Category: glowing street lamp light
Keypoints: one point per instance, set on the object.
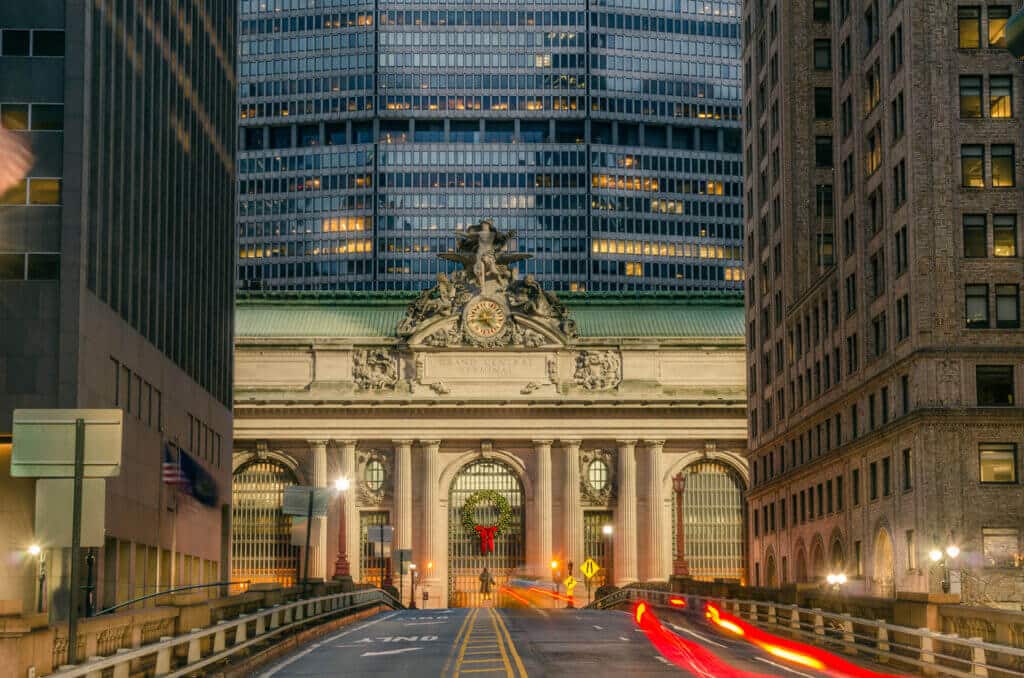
(608, 530)
(36, 551)
(942, 558)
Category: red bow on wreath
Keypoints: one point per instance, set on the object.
(486, 537)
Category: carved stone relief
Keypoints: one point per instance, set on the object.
(375, 369)
(598, 370)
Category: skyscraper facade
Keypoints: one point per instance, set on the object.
(116, 273)
(606, 133)
(885, 350)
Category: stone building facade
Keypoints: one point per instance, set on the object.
(885, 353)
(579, 414)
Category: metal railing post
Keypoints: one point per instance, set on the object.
(927, 654)
(794, 618)
(979, 665)
(883, 642)
(771, 614)
(849, 642)
(819, 622)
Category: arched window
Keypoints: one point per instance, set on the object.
(373, 475)
(261, 548)
(712, 503)
(597, 475)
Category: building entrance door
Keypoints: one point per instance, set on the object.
(466, 561)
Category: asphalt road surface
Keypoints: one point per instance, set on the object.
(516, 643)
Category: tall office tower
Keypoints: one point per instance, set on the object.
(116, 268)
(885, 350)
(606, 133)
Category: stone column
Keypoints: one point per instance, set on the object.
(625, 515)
(542, 508)
(403, 504)
(318, 546)
(655, 568)
(572, 513)
(429, 521)
(351, 514)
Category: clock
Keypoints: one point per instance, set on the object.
(485, 318)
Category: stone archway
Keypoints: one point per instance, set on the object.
(712, 502)
(465, 558)
(801, 564)
(771, 575)
(817, 559)
(261, 547)
(883, 579)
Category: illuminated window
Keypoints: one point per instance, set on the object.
(998, 462)
(373, 475)
(14, 116)
(44, 192)
(1001, 547)
(997, 19)
(1000, 96)
(972, 166)
(597, 475)
(969, 27)
(1004, 235)
(16, 194)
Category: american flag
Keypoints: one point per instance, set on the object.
(171, 469)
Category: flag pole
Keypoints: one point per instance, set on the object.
(159, 523)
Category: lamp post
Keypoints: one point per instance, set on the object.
(36, 551)
(412, 592)
(341, 564)
(555, 574)
(942, 559)
(680, 566)
(607, 531)
(836, 582)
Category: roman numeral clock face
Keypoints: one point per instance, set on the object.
(485, 318)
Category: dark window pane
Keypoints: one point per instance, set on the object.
(1003, 166)
(823, 151)
(995, 385)
(48, 43)
(44, 267)
(822, 10)
(975, 241)
(14, 116)
(15, 43)
(823, 55)
(823, 103)
(1007, 306)
(970, 96)
(976, 303)
(48, 117)
(12, 266)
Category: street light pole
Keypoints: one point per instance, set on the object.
(608, 531)
(412, 589)
(941, 558)
(342, 569)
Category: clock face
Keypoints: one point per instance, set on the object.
(485, 318)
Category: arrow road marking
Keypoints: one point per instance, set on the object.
(624, 638)
(383, 652)
(273, 671)
(599, 628)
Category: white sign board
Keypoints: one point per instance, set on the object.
(44, 443)
(296, 500)
(54, 498)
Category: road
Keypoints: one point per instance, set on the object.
(516, 643)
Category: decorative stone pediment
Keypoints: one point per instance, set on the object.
(375, 369)
(485, 304)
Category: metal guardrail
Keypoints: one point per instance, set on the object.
(186, 654)
(928, 652)
(168, 592)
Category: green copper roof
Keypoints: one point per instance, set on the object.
(295, 315)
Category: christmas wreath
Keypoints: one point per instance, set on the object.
(486, 532)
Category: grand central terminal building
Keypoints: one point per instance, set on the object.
(594, 426)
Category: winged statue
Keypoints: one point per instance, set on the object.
(479, 250)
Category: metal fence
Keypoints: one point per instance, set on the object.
(911, 649)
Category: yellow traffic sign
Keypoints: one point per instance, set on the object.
(589, 568)
(570, 583)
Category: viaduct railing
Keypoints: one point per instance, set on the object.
(921, 650)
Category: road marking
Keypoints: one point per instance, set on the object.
(423, 623)
(624, 638)
(455, 643)
(512, 646)
(311, 648)
(784, 668)
(698, 635)
(384, 652)
(599, 628)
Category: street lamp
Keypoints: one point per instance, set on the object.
(341, 565)
(412, 593)
(608, 530)
(36, 551)
(836, 581)
(942, 559)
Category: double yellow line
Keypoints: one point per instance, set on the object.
(485, 648)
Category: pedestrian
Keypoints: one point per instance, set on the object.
(486, 581)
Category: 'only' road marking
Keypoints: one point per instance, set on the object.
(384, 652)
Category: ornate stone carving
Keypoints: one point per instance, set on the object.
(529, 388)
(375, 369)
(485, 305)
(440, 388)
(591, 495)
(552, 367)
(598, 370)
(369, 493)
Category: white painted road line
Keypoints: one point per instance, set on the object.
(423, 623)
(599, 628)
(273, 671)
(698, 635)
(384, 652)
(784, 668)
(624, 639)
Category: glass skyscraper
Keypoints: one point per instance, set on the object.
(606, 132)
